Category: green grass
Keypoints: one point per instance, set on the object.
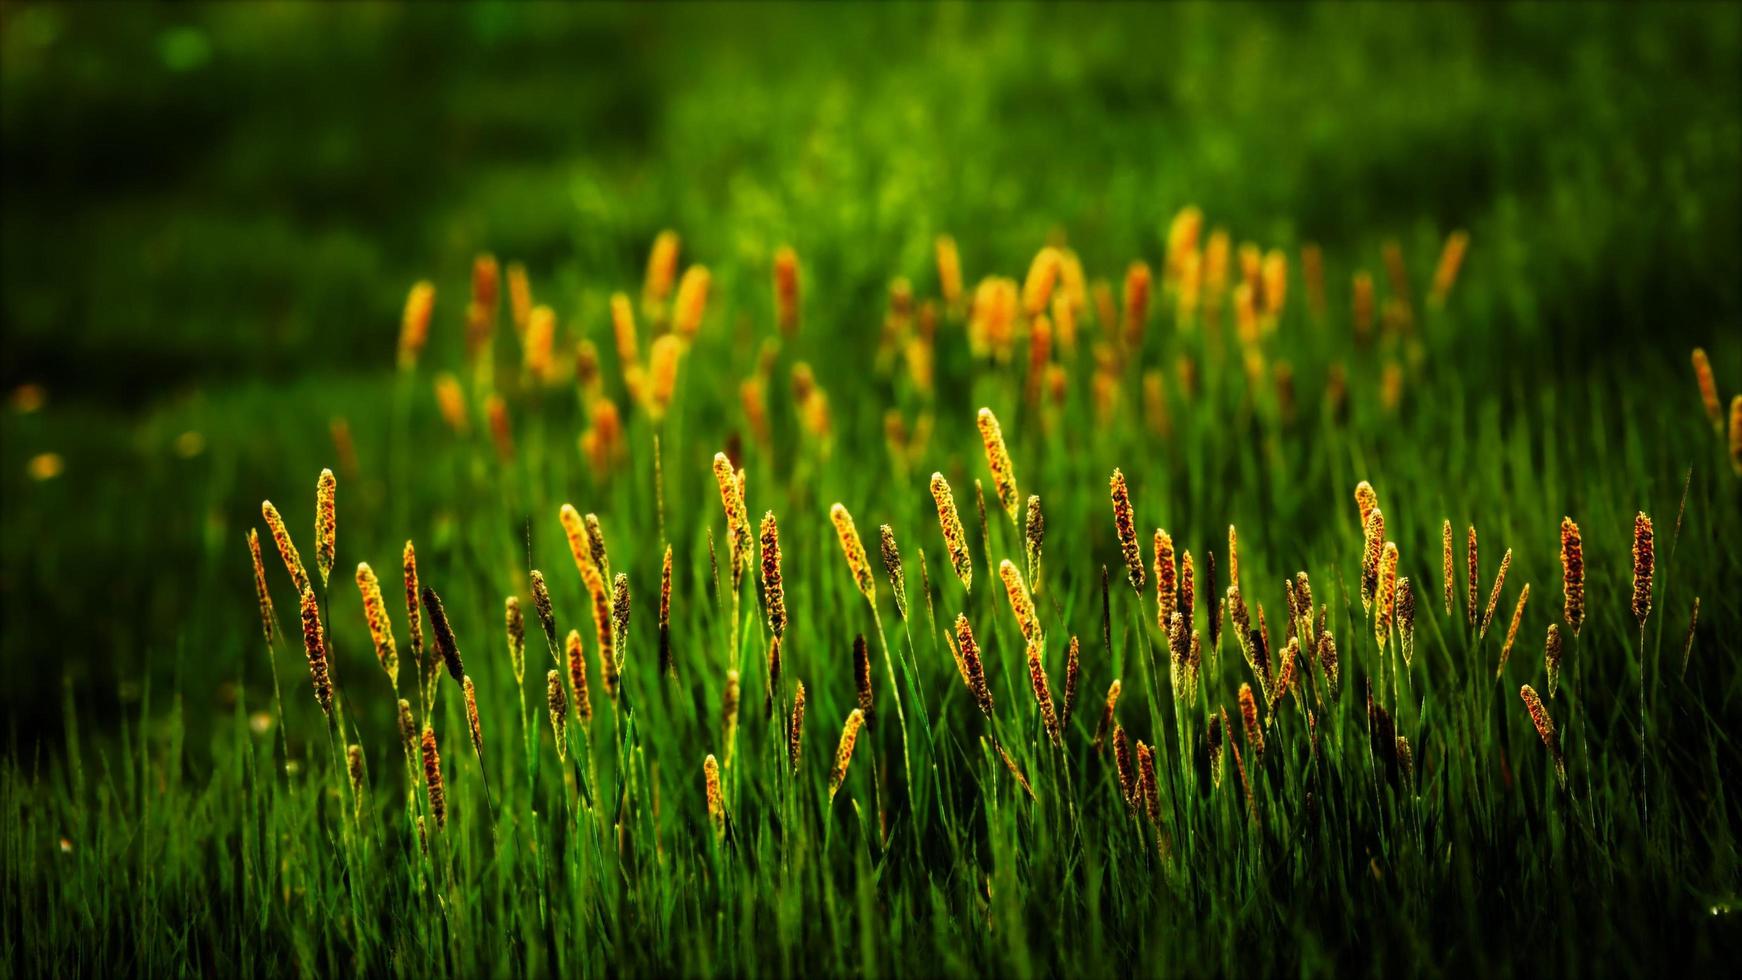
(155, 824)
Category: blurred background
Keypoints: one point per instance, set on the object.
(212, 213)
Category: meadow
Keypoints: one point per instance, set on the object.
(910, 491)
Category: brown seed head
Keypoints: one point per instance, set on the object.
(892, 565)
(1073, 675)
(577, 661)
(557, 702)
(1736, 434)
(267, 617)
(472, 721)
(314, 642)
(1107, 713)
(862, 677)
(1146, 785)
(1043, 692)
(1136, 312)
(619, 618)
(1372, 550)
(541, 605)
(1494, 593)
(1125, 524)
(442, 633)
(1544, 729)
(413, 614)
(1708, 389)
(1406, 620)
(1187, 588)
(1249, 716)
(1021, 604)
(286, 549)
(973, 670)
(516, 630)
(1551, 657)
(773, 592)
(1572, 579)
(1644, 558)
(606, 640)
(1127, 770)
(786, 290)
(1470, 568)
(432, 778)
(1034, 535)
(795, 731)
(1327, 656)
(1233, 557)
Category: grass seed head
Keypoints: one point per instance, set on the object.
(1365, 500)
(1471, 568)
(1551, 657)
(557, 702)
(286, 549)
(1446, 272)
(380, 629)
(1249, 717)
(1146, 785)
(1385, 594)
(1034, 537)
(892, 565)
(451, 402)
(1043, 273)
(1708, 390)
(577, 663)
(1125, 524)
(862, 677)
(1644, 559)
(1736, 434)
(950, 523)
(973, 670)
(264, 597)
(359, 778)
(661, 268)
(729, 700)
(1372, 551)
(1043, 692)
(737, 519)
(1021, 604)
(666, 665)
(691, 303)
(1107, 712)
(1512, 630)
(949, 270)
(541, 605)
(473, 722)
(998, 461)
(854, 551)
(1544, 729)
(1406, 620)
(1073, 676)
(1166, 580)
(795, 730)
(326, 523)
(443, 634)
(619, 617)
(432, 778)
(414, 323)
(773, 591)
(623, 331)
(1494, 593)
(1127, 770)
(662, 374)
(413, 614)
(1446, 564)
(786, 287)
(716, 797)
(1572, 579)
(580, 547)
(314, 642)
(844, 751)
(1136, 310)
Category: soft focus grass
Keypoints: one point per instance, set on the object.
(213, 214)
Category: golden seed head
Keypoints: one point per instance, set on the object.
(1249, 717)
(538, 343)
(1146, 785)
(286, 549)
(1136, 315)
(661, 268)
(1327, 657)
(844, 751)
(1446, 563)
(1708, 389)
(662, 371)
(1043, 272)
(623, 330)
(1470, 567)
(326, 523)
(1107, 712)
(1373, 549)
(1166, 582)
(1125, 523)
(1446, 272)
(1365, 499)
(501, 434)
(414, 324)
(619, 617)
(412, 612)
(1188, 587)
(1736, 434)
(998, 461)
(314, 641)
(737, 519)
(1021, 604)
(1385, 594)
(1572, 578)
(605, 637)
(692, 302)
(854, 550)
(950, 523)
(516, 627)
(665, 661)
(267, 617)
(949, 270)
(380, 629)
(451, 401)
(407, 726)
(1406, 620)
(472, 721)
(580, 546)
(1512, 630)
(1644, 558)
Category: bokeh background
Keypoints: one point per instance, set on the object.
(212, 213)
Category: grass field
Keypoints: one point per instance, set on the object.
(921, 352)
